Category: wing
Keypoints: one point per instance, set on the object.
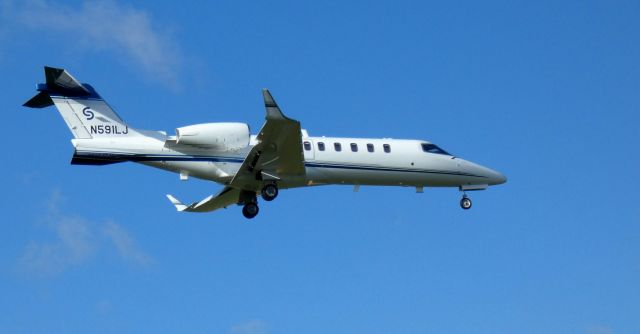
(278, 152)
(228, 196)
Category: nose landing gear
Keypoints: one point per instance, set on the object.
(465, 202)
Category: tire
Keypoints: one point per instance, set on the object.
(466, 203)
(250, 210)
(269, 192)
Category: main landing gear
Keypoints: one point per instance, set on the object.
(269, 192)
(465, 202)
(250, 209)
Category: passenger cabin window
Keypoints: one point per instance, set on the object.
(387, 148)
(321, 146)
(307, 146)
(430, 148)
(354, 147)
(370, 147)
(337, 146)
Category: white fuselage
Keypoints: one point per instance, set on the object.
(359, 161)
(281, 155)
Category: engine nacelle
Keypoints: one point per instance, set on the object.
(219, 136)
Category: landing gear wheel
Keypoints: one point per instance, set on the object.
(250, 210)
(269, 192)
(465, 203)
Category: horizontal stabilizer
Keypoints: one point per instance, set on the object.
(59, 83)
(226, 197)
(59, 80)
(41, 100)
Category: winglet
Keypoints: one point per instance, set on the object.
(178, 204)
(273, 111)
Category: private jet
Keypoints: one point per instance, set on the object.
(281, 156)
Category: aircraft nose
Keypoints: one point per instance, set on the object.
(493, 177)
(497, 178)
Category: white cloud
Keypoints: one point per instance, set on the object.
(106, 26)
(125, 245)
(73, 245)
(255, 326)
(74, 241)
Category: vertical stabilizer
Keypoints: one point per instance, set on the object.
(87, 115)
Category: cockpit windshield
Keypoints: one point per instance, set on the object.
(431, 148)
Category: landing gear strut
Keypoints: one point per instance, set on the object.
(250, 210)
(465, 202)
(269, 192)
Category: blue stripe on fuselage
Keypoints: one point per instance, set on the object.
(153, 157)
(387, 169)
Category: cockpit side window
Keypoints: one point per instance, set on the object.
(431, 148)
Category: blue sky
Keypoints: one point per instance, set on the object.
(547, 92)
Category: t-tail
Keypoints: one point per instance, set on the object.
(89, 118)
(87, 115)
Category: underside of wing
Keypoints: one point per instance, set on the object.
(278, 152)
(228, 196)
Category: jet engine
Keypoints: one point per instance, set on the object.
(218, 136)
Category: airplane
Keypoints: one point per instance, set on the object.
(281, 156)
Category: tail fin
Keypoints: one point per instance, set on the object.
(87, 115)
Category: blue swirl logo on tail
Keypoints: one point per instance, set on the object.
(88, 113)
